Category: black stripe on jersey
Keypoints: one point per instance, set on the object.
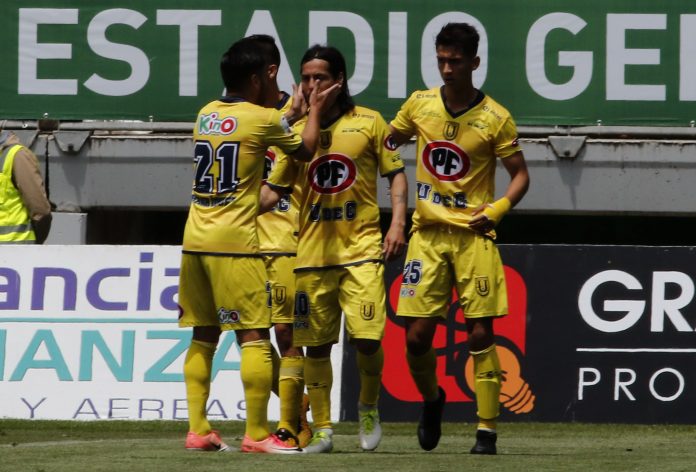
(275, 254)
(219, 254)
(338, 266)
(479, 98)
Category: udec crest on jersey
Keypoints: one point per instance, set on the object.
(332, 173)
(445, 160)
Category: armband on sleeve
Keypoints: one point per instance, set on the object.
(285, 124)
(496, 210)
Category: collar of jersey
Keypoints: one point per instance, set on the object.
(227, 99)
(329, 123)
(283, 100)
(478, 99)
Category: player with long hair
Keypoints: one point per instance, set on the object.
(340, 252)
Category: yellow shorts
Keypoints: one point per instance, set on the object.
(440, 257)
(223, 291)
(281, 287)
(321, 295)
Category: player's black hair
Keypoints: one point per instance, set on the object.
(337, 66)
(268, 47)
(242, 60)
(461, 36)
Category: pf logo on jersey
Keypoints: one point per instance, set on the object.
(268, 163)
(445, 160)
(332, 173)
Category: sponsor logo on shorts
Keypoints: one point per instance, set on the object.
(367, 310)
(482, 285)
(226, 316)
(407, 292)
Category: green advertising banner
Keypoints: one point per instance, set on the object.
(551, 62)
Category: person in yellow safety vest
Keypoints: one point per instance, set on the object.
(25, 212)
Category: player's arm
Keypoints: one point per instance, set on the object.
(395, 239)
(310, 133)
(398, 138)
(269, 197)
(487, 216)
(519, 177)
(280, 182)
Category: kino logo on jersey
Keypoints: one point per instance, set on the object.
(332, 173)
(445, 161)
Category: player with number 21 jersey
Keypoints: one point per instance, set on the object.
(230, 138)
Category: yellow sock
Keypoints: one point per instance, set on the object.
(319, 379)
(487, 385)
(198, 368)
(370, 368)
(291, 386)
(276, 371)
(257, 378)
(423, 372)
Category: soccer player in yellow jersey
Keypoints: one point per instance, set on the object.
(340, 254)
(277, 231)
(222, 277)
(460, 133)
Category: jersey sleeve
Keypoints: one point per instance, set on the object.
(388, 158)
(506, 142)
(403, 122)
(281, 135)
(284, 173)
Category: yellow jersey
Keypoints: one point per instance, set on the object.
(456, 154)
(339, 213)
(277, 228)
(231, 136)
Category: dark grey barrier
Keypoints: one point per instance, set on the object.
(594, 334)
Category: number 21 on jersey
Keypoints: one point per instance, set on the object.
(216, 168)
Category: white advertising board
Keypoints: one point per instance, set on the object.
(90, 332)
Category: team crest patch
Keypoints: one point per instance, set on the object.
(367, 310)
(279, 295)
(325, 139)
(451, 130)
(226, 316)
(482, 285)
